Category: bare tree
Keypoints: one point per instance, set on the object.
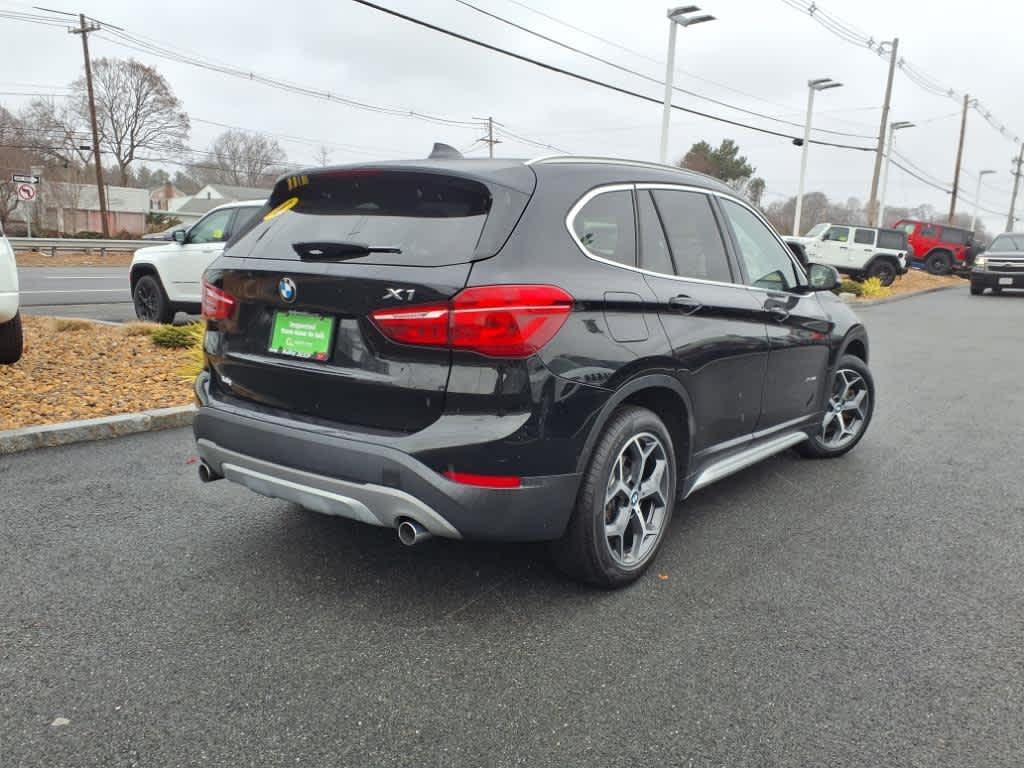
(13, 157)
(242, 159)
(323, 156)
(136, 111)
(60, 133)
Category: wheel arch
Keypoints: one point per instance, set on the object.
(660, 393)
(854, 343)
(144, 268)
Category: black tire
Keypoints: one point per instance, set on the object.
(12, 340)
(151, 303)
(585, 551)
(977, 290)
(819, 446)
(884, 270)
(939, 263)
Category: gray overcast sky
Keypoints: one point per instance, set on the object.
(760, 47)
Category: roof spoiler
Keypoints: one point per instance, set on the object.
(444, 152)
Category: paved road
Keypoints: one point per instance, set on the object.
(97, 293)
(866, 611)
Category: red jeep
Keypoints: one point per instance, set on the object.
(942, 249)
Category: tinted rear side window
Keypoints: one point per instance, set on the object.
(864, 237)
(424, 219)
(955, 236)
(606, 227)
(892, 239)
(693, 235)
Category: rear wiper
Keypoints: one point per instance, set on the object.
(334, 251)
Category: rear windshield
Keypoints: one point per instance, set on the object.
(892, 239)
(387, 217)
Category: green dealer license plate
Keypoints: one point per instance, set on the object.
(301, 335)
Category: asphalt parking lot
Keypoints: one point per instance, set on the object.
(865, 611)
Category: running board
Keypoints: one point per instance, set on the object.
(746, 458)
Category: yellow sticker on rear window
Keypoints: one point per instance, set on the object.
(287, 205)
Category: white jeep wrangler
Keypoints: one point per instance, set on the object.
(858, 251)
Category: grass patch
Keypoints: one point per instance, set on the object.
(177, 336)
(139, 328)
(64, 324)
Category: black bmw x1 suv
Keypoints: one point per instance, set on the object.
(560, 349)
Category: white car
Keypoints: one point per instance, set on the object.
(858, 251)
(168, 278)
(11, 339)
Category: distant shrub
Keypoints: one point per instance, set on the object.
(196, 355)
(851, 286)
(872, 288)
(177, 336)
(87, 235)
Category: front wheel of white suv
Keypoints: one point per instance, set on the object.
(151, 303)
(12, 340)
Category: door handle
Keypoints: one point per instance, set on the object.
(685, 304)
(777, 311)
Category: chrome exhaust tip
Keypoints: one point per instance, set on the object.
(412, 533)
(206, 473)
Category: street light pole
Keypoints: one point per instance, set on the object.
(893, 127)
(677, 17)
(977, 197)
(821, 84)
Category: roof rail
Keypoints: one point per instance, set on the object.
(597, 159)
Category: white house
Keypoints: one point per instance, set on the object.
(190, 209)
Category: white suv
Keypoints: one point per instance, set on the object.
(168, 278)
(11, 339)
(858, 251)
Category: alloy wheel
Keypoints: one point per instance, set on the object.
(636, 500)
(848, 408)
(145, 301)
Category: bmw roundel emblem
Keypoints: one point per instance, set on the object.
(286, 288)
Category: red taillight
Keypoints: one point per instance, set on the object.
(484, 481)
(493, 320)
(217, 304)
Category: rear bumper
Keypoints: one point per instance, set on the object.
(997, 279)
(375, 483)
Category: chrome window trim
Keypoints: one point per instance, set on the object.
(632, 187)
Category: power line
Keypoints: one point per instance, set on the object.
(593, 81)
(920, 78)
(643, 76)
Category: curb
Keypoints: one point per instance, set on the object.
(902, 297)
(87, 430)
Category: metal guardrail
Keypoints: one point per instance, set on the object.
(54, 244)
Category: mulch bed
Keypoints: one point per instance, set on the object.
(916, 281)
(86, 372)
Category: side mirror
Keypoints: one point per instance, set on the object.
(822, 277)
(179, 236)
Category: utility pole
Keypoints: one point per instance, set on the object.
(84, 30)
(959, 158)
(1010, 219)
(490, 141)
(882, 128)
